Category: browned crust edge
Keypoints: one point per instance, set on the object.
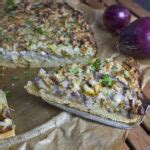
(7, 134)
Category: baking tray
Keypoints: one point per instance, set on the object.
(29, 111)
(96, 118)
(32, 114)
(26, 107)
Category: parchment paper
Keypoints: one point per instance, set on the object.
(67, 132)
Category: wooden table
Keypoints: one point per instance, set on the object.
(138, 138)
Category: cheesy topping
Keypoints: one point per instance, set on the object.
(6, 122)
(43, 31)
(105, 83)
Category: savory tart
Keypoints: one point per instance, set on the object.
(106, 88)
(43, 35)
(7, 128)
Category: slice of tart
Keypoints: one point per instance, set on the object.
(7, 128)
(44, 35)
(105, 88)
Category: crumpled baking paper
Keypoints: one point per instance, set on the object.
(67, 132)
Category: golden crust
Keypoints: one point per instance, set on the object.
(7, 134)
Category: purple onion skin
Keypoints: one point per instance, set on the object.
(116, 17)
(134, 40)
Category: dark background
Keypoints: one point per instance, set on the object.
(144, 3)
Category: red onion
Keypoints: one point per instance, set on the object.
(135, 39)
(116, 17)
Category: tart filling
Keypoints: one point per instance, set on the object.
(100, 85)
(6, 123)
(43, 33)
